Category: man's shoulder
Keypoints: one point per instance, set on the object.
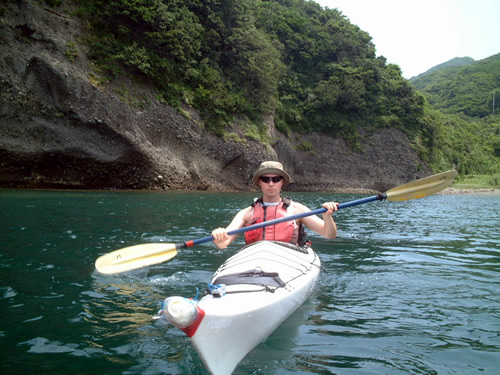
(245, 211)
(298, 207)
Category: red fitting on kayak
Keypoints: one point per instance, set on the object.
(183, 313)
(191, 330)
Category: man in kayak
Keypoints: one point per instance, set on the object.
(271, 178)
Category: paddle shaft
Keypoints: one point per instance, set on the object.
(318, 211)
(137, 256)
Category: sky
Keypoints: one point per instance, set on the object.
(418, 35)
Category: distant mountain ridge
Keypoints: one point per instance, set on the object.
(461, 85)
(455, 62)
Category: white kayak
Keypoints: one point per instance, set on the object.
(250, 295)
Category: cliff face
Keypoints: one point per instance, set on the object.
(60, 130)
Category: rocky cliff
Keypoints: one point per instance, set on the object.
(60, 128)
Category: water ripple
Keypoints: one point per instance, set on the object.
(406, 288)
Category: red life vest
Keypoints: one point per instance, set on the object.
(287, 231)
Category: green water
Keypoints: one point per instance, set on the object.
(407, 287)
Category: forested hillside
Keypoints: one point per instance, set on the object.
(309, 66)
(464, 123)
(225, 75)
(465, 89)
(306, 66)
(67, 121)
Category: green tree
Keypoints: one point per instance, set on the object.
(309, 65)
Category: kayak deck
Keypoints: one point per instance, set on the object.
(253, 292)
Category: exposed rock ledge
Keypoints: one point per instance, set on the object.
(478, 191)
(59, 130)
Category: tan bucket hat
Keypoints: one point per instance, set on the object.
(271, 167)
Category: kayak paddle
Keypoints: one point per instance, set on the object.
(134, 257)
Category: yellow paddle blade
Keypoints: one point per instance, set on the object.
(423, 187)
(133, 257)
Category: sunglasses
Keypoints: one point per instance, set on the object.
(267, 179)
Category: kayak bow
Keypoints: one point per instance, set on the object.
(250, 295)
